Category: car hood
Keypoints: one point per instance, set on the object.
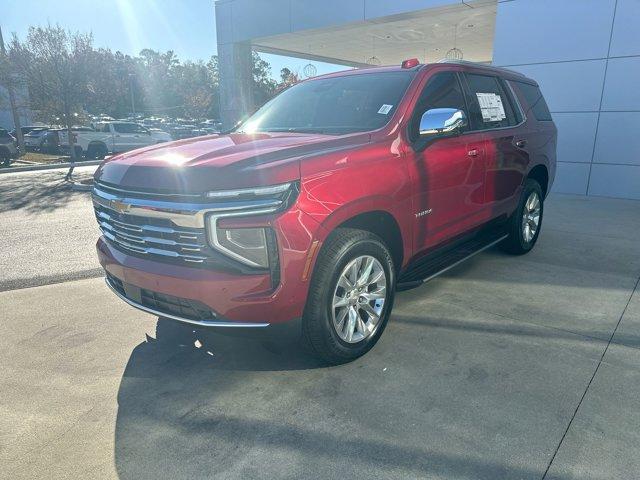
(220, 161)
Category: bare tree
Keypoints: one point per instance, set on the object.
(8, 80)
(53, 62)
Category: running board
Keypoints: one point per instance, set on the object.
(437, 263)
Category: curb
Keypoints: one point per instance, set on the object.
(51, 166)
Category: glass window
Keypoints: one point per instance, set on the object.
(441, 91)
(128, 128)
(535, 101)
(338, 105)
(490, 107)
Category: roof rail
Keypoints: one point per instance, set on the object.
(479, 64)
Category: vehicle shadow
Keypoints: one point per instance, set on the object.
(225, 407)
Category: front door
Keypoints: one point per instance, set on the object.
(448, 175)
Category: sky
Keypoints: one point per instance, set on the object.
(185, 26)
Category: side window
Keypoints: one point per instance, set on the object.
(490, 107)
(125, 127)
(443, 90)
(535, 101)
(513, 102)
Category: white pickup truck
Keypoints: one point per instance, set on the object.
(111, 137)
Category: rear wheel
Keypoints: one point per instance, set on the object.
(350, 296)
(96, 151)
(526, 222)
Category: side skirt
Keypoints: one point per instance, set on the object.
(448, 256)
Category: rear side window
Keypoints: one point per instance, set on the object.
(535, 101)
(489, 104)
(128, 128)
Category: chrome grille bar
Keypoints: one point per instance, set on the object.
(170, 230)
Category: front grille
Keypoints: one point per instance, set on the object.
(162, 303)
(153, 227)
(150, 236)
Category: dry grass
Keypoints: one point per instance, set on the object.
(43, 158)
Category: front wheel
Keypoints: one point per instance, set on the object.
(525, 223)
(350, 296)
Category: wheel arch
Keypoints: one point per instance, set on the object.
(384, 225)
(97, 143)
(540, 174)
(374, 215)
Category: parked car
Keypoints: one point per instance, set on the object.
(8, 148)
(180, 132)
(33, 139)
(332, 196)
(108, 137)
(159, 135)
(50, 141)
(25, 130)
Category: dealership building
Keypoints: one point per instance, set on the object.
(585, 54)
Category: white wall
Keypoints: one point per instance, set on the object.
(586, 56)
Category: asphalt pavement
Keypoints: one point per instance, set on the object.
(47, 229)
(503, 368)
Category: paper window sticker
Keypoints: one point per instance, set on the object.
(491, 107)
(384, 109)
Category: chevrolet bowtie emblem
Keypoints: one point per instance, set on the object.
(120, 206)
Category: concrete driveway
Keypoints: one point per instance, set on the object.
(505, 367)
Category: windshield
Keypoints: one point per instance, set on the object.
(338, 105)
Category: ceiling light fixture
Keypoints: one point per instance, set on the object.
(309, 69)
(454, 53)
(373, 60)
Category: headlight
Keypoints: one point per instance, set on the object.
(249, 245)
(255, 247)
(260, 192)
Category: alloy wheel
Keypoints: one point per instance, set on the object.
(358, 299)
(531, 217)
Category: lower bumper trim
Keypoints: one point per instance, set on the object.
(201, 323)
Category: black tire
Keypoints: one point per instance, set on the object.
(343, 246)
(5, 161)
(516, 243)
(96, 151)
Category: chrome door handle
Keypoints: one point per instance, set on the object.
(473, 152)
(521, 143)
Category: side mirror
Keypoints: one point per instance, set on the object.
(437, 122)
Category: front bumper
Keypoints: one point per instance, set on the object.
(235, 299)
(212, 321)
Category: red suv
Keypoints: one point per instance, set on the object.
(335, 194)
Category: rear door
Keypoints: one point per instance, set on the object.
(143, 137)
(126, 136)
(495, 113)
(448, 175)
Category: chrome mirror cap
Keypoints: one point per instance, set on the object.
(442, 121)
